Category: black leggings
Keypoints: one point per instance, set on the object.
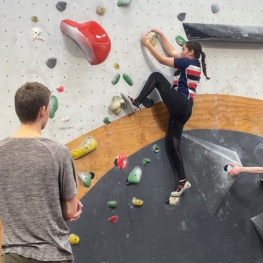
(180, 109)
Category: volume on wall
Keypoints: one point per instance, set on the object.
(235, 68)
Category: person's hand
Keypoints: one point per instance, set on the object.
(145, 39)
(235, 170)
(79, 211)
(156, 30)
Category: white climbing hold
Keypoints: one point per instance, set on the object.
(173, 200)
(65, 119)
(35, 32)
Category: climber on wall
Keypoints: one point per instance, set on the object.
(177, 97)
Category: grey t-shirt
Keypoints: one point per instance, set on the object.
(36, 174)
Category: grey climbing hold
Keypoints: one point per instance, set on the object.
(181, 16)
(51, 62)
(61, 6)
(214, 157)
(258, 224)
(215, 8)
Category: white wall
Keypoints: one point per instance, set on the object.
(234, 68)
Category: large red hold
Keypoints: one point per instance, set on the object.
(91, 37)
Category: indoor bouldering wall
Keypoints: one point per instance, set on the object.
(211, 222)
(234, 67)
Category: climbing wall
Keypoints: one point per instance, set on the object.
(190, 232)
(212, 222)
(234, 67)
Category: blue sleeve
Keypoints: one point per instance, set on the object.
(182, 63)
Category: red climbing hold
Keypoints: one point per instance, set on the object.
(113, 219)
(122, 161)
(60, 89)
(91, 37)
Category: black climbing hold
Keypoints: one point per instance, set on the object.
(92, 175)
(51, 62)
(218, 32)
(61, 6)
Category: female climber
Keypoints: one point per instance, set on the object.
(177, 97)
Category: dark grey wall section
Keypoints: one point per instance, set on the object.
(186, 233)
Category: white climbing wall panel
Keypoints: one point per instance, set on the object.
(234, 68)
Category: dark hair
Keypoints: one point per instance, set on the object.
(29, 99)
(193, 45)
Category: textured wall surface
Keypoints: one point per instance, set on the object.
(234, 68)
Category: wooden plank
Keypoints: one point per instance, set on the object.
(131, 133)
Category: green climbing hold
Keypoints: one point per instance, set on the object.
(53, 106)
(145, 161)
(123, 2)
(112, 204)
(127, 79)
(106, 120)
(116, 79)
(85, 178)
(134, 176)
(156, 148)
(180, 40)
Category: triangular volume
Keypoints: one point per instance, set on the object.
(258, 223)
(206, 163)
(217, 32)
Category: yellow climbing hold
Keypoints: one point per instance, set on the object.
(34, 18)
(137, 202)
(116, 65)
(73, 239)
(88, 145)
(100, 10)
(152, 38)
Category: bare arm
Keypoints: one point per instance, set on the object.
(70, 208)
(167, 46)
(157, 55)
(239, 169)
